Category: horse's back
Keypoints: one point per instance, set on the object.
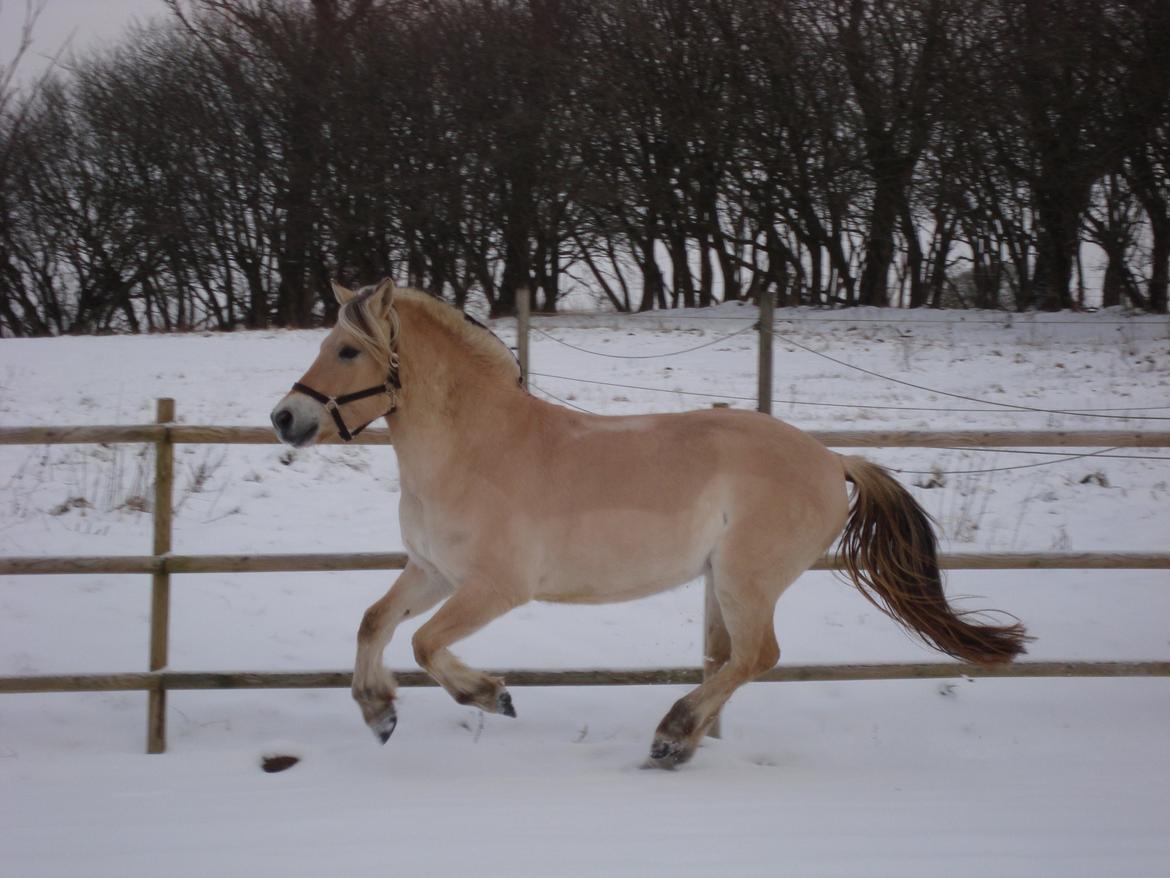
(687, 450)
(661, 493)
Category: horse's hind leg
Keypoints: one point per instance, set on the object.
(469, 609)
(716, 640)
(374, 688)
(747, 607)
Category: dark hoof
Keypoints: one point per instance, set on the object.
(660, 750)
(383, 727)
(504, 705)
(667, 755)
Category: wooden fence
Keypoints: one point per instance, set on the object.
(162, 564)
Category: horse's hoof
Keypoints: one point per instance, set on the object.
(383, 727)
(504, 704)
(667, 755)
(660, 750)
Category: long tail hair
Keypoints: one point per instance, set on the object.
(890, 552)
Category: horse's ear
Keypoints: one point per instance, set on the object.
(341, 293)
(383, 297)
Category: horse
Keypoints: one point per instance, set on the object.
(508, 499)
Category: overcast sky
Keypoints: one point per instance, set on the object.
(88, 22)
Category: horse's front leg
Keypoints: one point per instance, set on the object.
(374, 687)
(471, 607)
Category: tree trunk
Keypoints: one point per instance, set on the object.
(684, 285)
(706, 273)
(879, 248)
(1113, 284)
(652, 286)
(1160, 263)
(914, 258)
(1055, 253)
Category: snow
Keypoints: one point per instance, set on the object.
(1003, 777)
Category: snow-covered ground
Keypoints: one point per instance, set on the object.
(1003, 777)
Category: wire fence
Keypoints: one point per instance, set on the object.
(989, 404)
(779, 401)
(765, 402)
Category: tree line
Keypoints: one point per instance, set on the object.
(215, 169)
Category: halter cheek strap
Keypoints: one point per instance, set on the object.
(333, 404)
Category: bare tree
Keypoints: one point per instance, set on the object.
(216, 170)
(1147, 173)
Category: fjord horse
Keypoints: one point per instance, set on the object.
(508, 499)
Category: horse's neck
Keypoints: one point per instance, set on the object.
(445, 439)
(454, 413)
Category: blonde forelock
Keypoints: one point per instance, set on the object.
(377, 337)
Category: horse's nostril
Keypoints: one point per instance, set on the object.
(282, 419)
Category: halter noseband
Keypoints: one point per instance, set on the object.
(333, 404)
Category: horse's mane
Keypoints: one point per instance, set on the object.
(380, 337)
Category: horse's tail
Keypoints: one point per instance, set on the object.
(889, 550)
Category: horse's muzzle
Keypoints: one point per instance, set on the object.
(291, 430)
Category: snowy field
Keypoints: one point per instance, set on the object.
(908, 778)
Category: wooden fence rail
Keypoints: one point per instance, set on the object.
(192, 680)
(188, 434)
(318, 561)
(162, 564)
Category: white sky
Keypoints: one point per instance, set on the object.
(82, 23)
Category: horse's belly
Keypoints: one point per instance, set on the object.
(622, 555)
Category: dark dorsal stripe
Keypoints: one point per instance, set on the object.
(474, 322)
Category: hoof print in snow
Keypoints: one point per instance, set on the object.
(274, 763)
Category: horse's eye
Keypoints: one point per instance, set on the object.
(348, 353)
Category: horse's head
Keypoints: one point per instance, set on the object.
(354, 379)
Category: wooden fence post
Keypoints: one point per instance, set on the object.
(160, 591)
(523, 314)
(767, 311)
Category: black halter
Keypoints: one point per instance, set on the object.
(390, 387)
(333, 404)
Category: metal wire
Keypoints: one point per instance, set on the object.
(843, 405)
(1007, 405)
(995, 405)
(999, 469)
(705, 344)
(1080, 413)
(556, 398)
